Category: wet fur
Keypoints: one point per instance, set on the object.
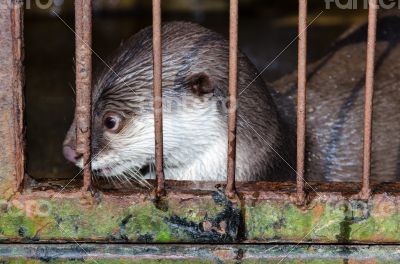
(195, 129)
(335, 106)
(196, 141)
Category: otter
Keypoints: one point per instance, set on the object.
(195, 84)
(335, 106)
(195, 88)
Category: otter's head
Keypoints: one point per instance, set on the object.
(194, 84)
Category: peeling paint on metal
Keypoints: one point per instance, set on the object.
(103, 253)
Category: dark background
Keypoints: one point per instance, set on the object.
(265, 29)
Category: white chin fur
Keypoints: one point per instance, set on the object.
(194, 147)
(79, 164)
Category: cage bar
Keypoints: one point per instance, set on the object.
(12, 79)
(301, 99)
(17, 22)
(157, 87)
(83, 29)
(369, 92)
(232, 115)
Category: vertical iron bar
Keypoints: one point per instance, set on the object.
(369, 91)
(157, 87)
(83, 29)
(17, 31)
(233, 75)
(301, 99)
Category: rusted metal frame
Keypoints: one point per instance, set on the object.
(369, 92)
(17, 24)
(83, 29)
(254, 189)
(219, 253)
(233, 83)
(157, 87)
(301, 99)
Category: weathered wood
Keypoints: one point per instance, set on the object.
(11, 98)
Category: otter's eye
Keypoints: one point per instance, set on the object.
(112, 122)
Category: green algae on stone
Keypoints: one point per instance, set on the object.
(263, 221)
(276, 221)
(14, 224)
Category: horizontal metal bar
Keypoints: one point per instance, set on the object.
(50, 187)
(203, 253)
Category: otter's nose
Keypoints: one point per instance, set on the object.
(70, 154)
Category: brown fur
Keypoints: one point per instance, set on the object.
(335, 106)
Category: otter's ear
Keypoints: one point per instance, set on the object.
(200, 84)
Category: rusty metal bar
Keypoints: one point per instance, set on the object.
(369, 92)
(157, 87)
(232, 116)
(12, 129)
(17, 31)
(301, 99)
(83, 29)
